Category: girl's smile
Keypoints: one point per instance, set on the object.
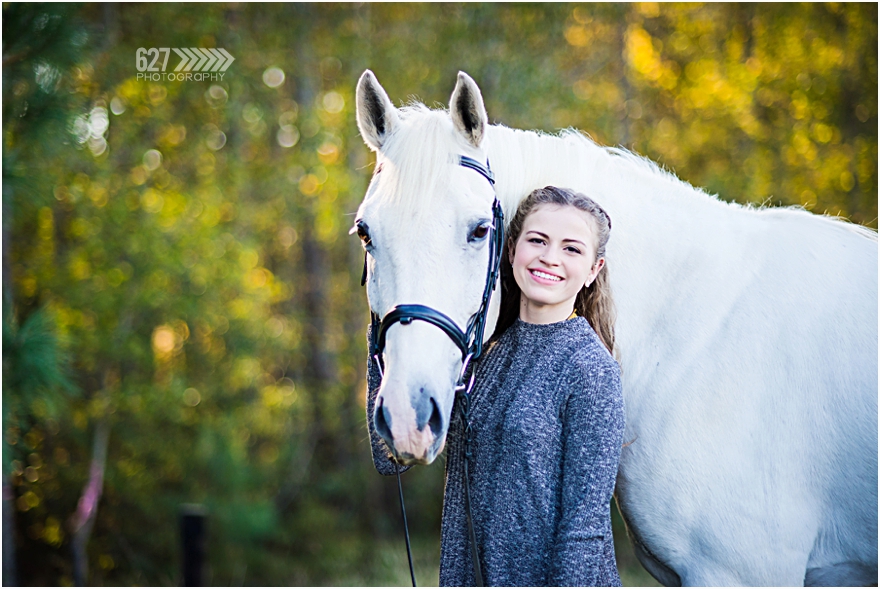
(544, 276)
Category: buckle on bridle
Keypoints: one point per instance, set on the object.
(459, 384)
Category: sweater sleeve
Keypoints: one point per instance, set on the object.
(382, 458)
(583, 553)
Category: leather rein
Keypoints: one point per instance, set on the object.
(470, 342)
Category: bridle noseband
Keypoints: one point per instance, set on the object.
(469, 342)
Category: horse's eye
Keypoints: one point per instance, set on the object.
(364, 233)
(480, 231)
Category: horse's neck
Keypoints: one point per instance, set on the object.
(619, 182)
(656, 219)
(645, 204)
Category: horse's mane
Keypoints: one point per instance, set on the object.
(651, 167)
(408, 174)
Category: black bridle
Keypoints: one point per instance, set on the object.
(469, 342)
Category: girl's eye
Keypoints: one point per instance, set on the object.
(536, 240)
(573, 249)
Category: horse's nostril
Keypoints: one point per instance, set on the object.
(383, 422)
(436, 420)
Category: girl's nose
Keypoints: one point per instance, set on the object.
(550, 257)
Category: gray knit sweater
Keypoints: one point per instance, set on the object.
(547, 419)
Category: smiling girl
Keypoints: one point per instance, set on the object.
(547, 413)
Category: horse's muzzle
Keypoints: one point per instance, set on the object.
(415, 435)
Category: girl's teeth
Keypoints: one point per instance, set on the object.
(546, 276)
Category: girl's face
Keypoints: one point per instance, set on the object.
(553, 259)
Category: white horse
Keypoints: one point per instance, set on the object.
(748, 341)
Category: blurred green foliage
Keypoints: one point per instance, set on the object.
(176, 253)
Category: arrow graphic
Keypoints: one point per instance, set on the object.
(183, 59)
(211, 61)
(220, 59)
(202, 60)
(193, 58)
(203, 57)
(228, 57)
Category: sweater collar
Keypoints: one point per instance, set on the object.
(548, 329)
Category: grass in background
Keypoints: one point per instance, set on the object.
(632, 573)
(390, 568)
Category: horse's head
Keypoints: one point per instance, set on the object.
(425, 223)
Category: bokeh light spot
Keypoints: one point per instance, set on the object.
(97, 145)
(163, 340)
(99, 122)
(328, 152)
(273, 77)
(215, 139)
(192, 397)
(216, 96)
(333, 102)
(288, 117)
(308, 184)
(152, 159)
(287, 136)
(117, 106)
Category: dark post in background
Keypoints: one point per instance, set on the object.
(193, 535)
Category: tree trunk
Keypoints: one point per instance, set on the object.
(9, 579)
(87, 509)
(318, 369)
(9, 576)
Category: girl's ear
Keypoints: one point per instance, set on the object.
(597, 267)
(510, 252)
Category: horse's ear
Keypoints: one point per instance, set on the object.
(376, 116)
(467, 110)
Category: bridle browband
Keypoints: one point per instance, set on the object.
(469, 342)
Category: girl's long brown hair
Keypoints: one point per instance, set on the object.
(593, 302)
